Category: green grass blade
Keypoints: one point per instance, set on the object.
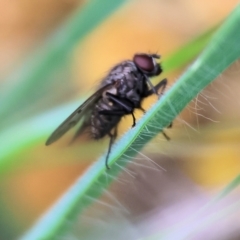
(222, 51)
(29, 82)
(12, 146)
(229, 188)
(188, 52)
(35, 130)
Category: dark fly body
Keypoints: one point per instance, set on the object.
(119, 94)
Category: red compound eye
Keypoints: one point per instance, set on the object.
(144, 62)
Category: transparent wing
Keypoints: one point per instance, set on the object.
(75, 117)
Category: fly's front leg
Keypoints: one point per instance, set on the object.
(162, 84)
(154, 90)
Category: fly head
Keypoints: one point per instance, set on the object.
(147, 64)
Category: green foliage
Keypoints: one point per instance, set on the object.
(29, 82)
(221, 52)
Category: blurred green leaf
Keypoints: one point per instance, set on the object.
(30, 81)
(229, 188)
(222, 51)
(188, 52)
(35, 131)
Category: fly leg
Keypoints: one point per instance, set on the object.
(154, 89)
(112, 139)
(143, 110)
(126, 105)
(162, 84)
(165, 135)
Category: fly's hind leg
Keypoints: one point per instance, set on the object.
(112, 139)
(165, 135)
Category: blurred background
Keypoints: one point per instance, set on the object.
(201, 158)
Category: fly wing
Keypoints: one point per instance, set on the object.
(75, 117)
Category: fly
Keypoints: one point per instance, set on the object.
(119, 94)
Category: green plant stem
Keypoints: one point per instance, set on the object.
(222, 51)
(13, 143)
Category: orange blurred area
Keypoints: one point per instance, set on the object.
(24, 24)
(143, 26)
(206, 152)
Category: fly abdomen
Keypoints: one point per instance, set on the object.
(102, 124)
